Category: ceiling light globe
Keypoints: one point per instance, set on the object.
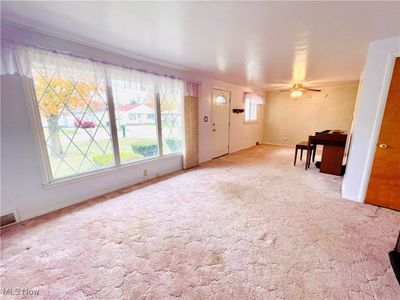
(296, 94)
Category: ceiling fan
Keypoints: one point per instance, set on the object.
(298, 89)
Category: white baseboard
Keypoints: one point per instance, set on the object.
(278, 145)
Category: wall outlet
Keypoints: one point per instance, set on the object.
(145, 172)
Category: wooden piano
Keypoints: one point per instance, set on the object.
(334, 142)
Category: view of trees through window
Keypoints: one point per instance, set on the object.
(74, 115)
(76, 121)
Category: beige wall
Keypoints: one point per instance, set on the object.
(289, 121)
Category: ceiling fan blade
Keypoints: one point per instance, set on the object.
(285, 90)
(308, 89)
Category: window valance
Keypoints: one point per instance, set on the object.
(22, 60)
(253, 98)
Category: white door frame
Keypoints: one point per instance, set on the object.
(370, 105)
(229, 117)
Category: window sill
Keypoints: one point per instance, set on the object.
(251, 122)
(105, 171)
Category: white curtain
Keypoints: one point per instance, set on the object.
(143, 80)
(9, 63)
(192, 89)
(26, 61)
(253, 98)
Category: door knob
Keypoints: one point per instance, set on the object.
(383, 146)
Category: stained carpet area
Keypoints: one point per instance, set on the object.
(245, 226)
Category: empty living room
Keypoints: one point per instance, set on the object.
(200, 150)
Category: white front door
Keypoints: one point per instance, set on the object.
(220, 121)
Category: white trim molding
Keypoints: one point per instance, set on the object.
(277, 145)
(370, 107)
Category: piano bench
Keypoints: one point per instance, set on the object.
(305, 146)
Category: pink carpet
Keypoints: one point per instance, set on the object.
(245, 226)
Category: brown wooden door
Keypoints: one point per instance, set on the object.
(384, 183)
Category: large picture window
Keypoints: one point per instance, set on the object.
(92, 119)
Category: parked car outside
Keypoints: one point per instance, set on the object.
(84, 124)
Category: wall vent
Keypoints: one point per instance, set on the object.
(8, 218)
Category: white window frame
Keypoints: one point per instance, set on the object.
(48, 180)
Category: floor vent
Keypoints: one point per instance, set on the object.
(8, 218)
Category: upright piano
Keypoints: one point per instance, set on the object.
(334, 142)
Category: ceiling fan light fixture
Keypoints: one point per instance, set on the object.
(296, 94)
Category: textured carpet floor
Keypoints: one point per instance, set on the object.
(245, 226)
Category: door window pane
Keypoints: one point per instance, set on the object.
(220, 100)
(135, 119)
(74, 116)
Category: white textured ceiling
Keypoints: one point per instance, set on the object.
(249, 43)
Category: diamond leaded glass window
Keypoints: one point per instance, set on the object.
(80, 132)
(75, 120)
(171, 106)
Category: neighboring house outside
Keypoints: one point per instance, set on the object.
(135, 114)
(128, 114)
